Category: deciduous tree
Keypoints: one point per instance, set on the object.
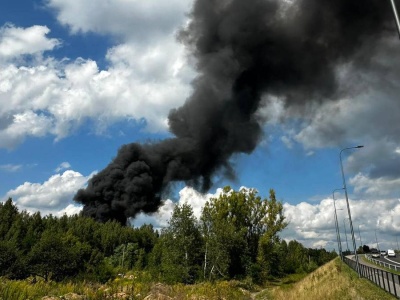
(182, 244)
(234, 225)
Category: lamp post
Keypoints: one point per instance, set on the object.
(337, 225)
(376, 239)
(396, 17)
(359, 233)
(345, 233)
(348, 206)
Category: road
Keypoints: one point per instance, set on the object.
(390, 260)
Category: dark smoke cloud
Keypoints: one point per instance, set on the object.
(243, 50)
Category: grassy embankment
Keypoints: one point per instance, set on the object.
(334, 280)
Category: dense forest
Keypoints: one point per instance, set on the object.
(236, 237)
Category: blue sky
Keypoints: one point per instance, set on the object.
(77, 82)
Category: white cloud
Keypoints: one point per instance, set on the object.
(146, 76)
(52, 196)
(375, 187)
(55, 98)
(313, 225)
(196, 199)
(17, 41)
(24, 124)
(134, 19)
(63, 166)
(71, 209)
(10, 167)
(158, 219)
(187, 195)
(287, 141)
(273, 109)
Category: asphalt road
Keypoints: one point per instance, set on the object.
(390, 260)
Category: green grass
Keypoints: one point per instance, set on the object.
(333, 281)
(131, 287)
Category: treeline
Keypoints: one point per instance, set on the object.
(236, 237)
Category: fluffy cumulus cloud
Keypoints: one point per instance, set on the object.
(51, 97)
(381, 186)
(129, 20)
(314, 224)
(17, 41)
(63, 166)
(52, 196)
(187, 195)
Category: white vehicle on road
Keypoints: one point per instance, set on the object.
(391, 253)
(375, 253)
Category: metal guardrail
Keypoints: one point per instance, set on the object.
(388, 281)
(382, 263)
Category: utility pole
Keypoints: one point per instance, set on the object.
(376, 239)
(348, 207)
(345, 233)
(396, 16)
(337, 225)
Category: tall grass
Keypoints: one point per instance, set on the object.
(122, 288)
(23, 290)
(335, 280)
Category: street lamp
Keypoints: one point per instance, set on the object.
(337, 225)
(345, 233)
(359, 233)
(396, 17)
(348, 206)
(376, 239)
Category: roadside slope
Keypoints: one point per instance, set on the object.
(334, 280)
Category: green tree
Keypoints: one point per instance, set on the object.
(17, 230)
(125, 256)
(53, 257)
(86, 230)
(296, 258)
(8, 255)
(8, 214)
(34, 230)
(181, 246)
(219, 236)
(110, 236)
(146, 237)
(274, 222)
(233, 226)
(154, 260)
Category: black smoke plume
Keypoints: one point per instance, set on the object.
(244, 50)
